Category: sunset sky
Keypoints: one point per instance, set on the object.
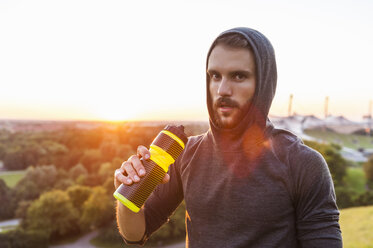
(125, 60)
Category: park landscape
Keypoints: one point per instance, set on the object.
(56, 181)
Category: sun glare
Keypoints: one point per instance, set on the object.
(115, 113)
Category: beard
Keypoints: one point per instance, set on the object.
(229, 120)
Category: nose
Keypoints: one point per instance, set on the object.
(224, 88)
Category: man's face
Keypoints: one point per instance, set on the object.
(232, 83)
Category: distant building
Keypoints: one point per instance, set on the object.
(298, 123)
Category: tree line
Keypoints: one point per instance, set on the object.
(68, 185)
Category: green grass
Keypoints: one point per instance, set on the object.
(355, 179)
(349, 140)
(97, 243)
(357, 227)
(100, 244)
(11, 178)
(67, 240)
(5, 229)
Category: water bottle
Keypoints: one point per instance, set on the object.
(164, 150)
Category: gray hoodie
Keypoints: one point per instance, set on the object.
(253, 185)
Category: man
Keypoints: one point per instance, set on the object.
(244, 182)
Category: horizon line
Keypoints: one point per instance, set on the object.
(153, 120)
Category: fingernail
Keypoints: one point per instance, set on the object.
(147, 156)
(142, 172)
(129, 181)
(136, 178)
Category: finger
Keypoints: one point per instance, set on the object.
(166, 178)
(122, 167)
(120, 178)
(143, 152)
(132, 174)
(137, 164)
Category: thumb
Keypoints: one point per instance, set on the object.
(166, 178)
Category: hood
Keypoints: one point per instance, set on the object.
(266, 80)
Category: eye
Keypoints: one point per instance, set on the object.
(215, 76)
(239, 76)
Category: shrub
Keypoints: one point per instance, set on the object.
(368, 169)
(78, 195)
(365, 199)
(54, 214)
(23, 239)
(7, 203)
(97, 210)
(345, 197)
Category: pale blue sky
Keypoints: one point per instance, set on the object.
(85, 59)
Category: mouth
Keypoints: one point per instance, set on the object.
(225, 109)
(225, 106)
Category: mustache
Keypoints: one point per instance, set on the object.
(226, 102)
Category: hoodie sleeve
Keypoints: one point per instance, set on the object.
(161, 204)
(317, 214)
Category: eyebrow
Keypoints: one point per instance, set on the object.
(245, 72)
(211, 71)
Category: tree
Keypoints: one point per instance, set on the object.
(21, 210)
(54, 214)
(63, 183)
(107, 170)
(365, 199)
(2, 151)
(78, 195)
(77, 171)
(108, 150)
(97, 210)
(345, 197)
(26, 190)
(54, 148)
(368, 169)
(69, 160)
(91, 180)
(31, 153)
(22, 153)
(23, 239)
(91, 159)
(38, 180)
(7, 205)
(13, 159)
(45, 176)
(109, 187)
(125, 151)
(63, 180)
(106, 174)
(82, 139)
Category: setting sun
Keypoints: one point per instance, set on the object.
(114, 113)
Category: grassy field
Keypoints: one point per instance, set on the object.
(5, 229)
(99, 244)
(11, 178)
(357, 227)
(356, 224)
(349, 140)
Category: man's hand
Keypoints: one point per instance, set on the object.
(132, 170)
